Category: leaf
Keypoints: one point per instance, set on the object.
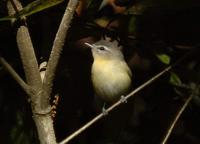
(32, 8)
(89, 3)
(102, 22)
(174, 79)
(138, 8)
(132, 28)
(164, 58)
(179, 92)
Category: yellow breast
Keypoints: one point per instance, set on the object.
(111, 79)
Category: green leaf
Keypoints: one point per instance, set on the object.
(164, 58)
(179, 92)
(102, 22)
(174, 79)
(132, 28)
(139, 7)
(32, 8)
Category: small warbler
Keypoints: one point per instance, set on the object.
(111, 76)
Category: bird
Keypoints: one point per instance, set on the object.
(110, 74)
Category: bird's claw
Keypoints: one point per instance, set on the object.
(123, 99)
(104, 111)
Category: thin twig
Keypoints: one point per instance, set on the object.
(179, 113)
(83, 128)
(58, 45)
(101, 115)
(15, 76)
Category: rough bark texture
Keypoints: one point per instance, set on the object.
(40, 107)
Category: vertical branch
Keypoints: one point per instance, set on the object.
(40, 96)
(30, 65)
(58, 45)
(40, 106)
(28, 57)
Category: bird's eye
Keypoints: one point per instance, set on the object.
(101, 48)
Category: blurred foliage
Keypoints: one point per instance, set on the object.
(18, 134)
(164, 58)
(33, 7)
(174, 79)
(154, 34)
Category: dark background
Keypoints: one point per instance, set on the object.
(169, 27)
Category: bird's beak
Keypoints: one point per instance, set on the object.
(89, 45)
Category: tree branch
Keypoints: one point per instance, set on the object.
(14, 6)
(58, 45)
(30, 65)
(179, 113)
(15, 76)
(39, 103)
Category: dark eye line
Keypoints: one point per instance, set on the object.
(101, 48)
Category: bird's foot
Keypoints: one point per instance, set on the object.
(104, 111)
(123, 99)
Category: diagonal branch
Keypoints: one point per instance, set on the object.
(124, 98)
(15, 76)
(58, 45)
(169, 131)
(179, 113)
